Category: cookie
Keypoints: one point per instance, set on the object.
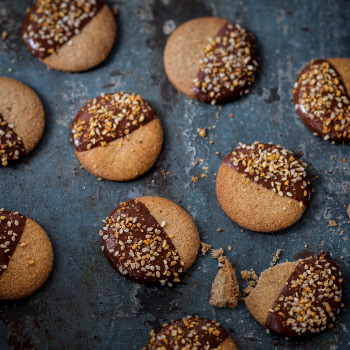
(22, 120)
(117, 136)
(225, 288)
(191, 332)
(263, 187)
(321, 98)
(298, 298)
(26, 256)
(150, 239)
(69, 35)
(214, 71)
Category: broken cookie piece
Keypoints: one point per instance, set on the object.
(225, 288)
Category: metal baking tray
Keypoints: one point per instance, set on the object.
(85, 304)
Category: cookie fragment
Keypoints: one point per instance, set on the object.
(225, 288)
(298, 298)
(322, 100)
(117, 136)
(191, 332)
(146, 249)
(263, 187)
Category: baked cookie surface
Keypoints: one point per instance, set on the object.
(117, 136)
(214, 72)
(321, 98)
(263, 187)
(150, 239)
(69, 35)
(191, 332)
(298, 298)
(22, 120)
(26, 256)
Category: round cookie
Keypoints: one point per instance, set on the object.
(150, 239)
(22, 120)
(217, 71)
(191, 332)
(321, 98)
(117, 136)
(263, 187)
(70, 35)
(298, 298)
(26, 256)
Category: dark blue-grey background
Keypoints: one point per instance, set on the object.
(85, 303)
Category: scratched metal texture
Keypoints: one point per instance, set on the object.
(85, 304)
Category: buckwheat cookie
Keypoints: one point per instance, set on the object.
(191, 332)
(69, 35)
(211, 60)
(321, 97)
(298, 298)
(117, 136)
(263, 187)
(26, 256)
(22, 120)
(150, 239)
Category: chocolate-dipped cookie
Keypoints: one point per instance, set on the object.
(298, 298)
(217, 71)
(263, 187)
(191, 332)
(117, 136)
(321, 97)
(26, 256)
(69, 35)
(150, 239)
(22, 120)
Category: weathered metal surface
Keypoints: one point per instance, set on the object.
(85, 303)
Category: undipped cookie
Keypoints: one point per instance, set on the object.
(321, 97)
(263, 187)
(298, 298)
(26, 256)
(150, 239)
(117, 136)
(191, 332)
(214, 71)
(69, 35)
(22, 120)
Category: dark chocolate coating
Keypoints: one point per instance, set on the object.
(50, 24)
(237, 76)
(318, 298)
(188, 333)
(11, 229)
(299, 190)
(322, 101)
(11, 145)
(113, 120)
(137, 246)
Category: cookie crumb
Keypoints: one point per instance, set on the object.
(344, 160)
(217, 153)
(229, 248)
(31, 262)
(348, 211)
(333, 223)
(202, 132)
(225, 288)
(276, 257)
(204, 175)
(99, 179)
(217, 253)
(231, 115)
(24, 244)
(219, 229)
(4, 35)
(205, 248)
(194, 179)
(165, 173)
(115, 11)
